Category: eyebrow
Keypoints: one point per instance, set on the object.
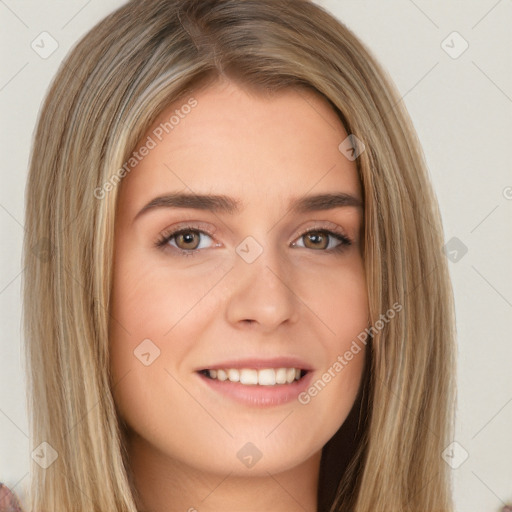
(230, 205)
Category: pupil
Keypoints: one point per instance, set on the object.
(188, 238)
(315, 238)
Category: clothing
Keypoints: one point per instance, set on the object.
(8, 500)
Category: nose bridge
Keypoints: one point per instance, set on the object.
(261, 286)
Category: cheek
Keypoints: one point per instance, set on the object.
(157, 314)
(341, 304)
(338, 297)
(150, 301)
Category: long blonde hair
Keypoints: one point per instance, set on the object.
(106, 94)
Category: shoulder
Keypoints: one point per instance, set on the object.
(8, 500)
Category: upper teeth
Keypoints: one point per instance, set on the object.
(263, 377)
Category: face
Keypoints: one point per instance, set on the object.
(251, 283)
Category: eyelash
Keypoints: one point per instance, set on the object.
(165, 238)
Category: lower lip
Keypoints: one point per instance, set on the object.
(257, 395)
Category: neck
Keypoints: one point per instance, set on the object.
(164, 484)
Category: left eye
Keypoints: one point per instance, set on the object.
(318, 237)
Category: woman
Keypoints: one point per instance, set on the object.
(304, 357)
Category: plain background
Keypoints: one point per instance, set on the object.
(461, 108)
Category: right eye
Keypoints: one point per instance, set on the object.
(187, 240)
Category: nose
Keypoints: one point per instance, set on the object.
(261, 293)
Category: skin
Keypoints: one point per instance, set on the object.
(303, 300)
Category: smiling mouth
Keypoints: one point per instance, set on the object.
(256, 377)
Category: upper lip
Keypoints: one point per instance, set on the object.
(276, 362)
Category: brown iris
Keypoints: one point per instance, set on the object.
(315, 236)
(188, 238)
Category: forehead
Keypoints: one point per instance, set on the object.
(228, 140)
